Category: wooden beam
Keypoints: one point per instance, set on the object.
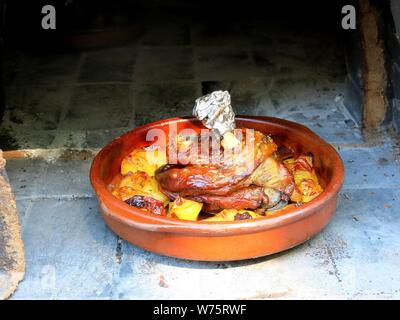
(12, 264)
(374, 72)
(57, 153)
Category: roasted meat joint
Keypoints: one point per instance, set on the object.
(220, 173)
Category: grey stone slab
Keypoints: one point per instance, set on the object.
(327, 58)
(99, 138)
(164, 100)
(332, 132)
(156, 64)
(264, 32)
(23, 209)
(38, 178)
(67, 138)
(80, 138)
(395, 7)
(219, 33)
(66, 178)
(146, 275)
(114, 64)
(264, 59)
(215, 63)
(294, 60)
(70, 254)
(73, 255)
(353, 100)
(275, 58)
(101, 106)
(167, 34)
(289, 94)
(36, 108)
(7, 138)
(14, 136)
(367, 254)
(246, 95)
(11, 63)
(374, 167)
(25, 176)
(396, 114)
(340, 262)
(48, 69)
(339, 135)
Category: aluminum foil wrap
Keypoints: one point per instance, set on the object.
(215, 111)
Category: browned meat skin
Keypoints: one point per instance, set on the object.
(247, 198)
(272, 174)
(147, 203)
(243, 216)
(200, 179)
(196, 191)
(283, 153)
(229, 184)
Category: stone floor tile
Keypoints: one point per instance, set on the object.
(50, 69)
(165, 100)
(70, 254)
(114, 64)
(101, 106)
(30, 106)
(374, 167)
(167, 34)
(218, 33)
(66, 179)
(25, 176)
(246, 95)
(213, 63)
(157, 64)
(77, 139)
(335, 264)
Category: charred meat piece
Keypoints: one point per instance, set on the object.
(233, 215)
(284, 153)
(148, 204)
(230, 170)
(243, 216)
(247, 198)
(273, 174)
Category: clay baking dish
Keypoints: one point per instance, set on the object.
(220, 241)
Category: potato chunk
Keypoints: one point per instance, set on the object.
(139, 183)
(185, 209)
(233, 214)
(143, 160)
(307, 186)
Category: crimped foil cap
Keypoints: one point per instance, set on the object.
(215, 111)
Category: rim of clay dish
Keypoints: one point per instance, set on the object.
(137, 218)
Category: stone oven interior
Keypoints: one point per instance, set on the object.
(64, 98)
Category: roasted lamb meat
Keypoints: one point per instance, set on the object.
(231, 183)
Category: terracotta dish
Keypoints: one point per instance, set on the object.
(220, 241)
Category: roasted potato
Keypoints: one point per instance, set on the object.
(233, 214)
(139, 183)
(230, 141)
(184, 209)
(307, 186)
(143, 160)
